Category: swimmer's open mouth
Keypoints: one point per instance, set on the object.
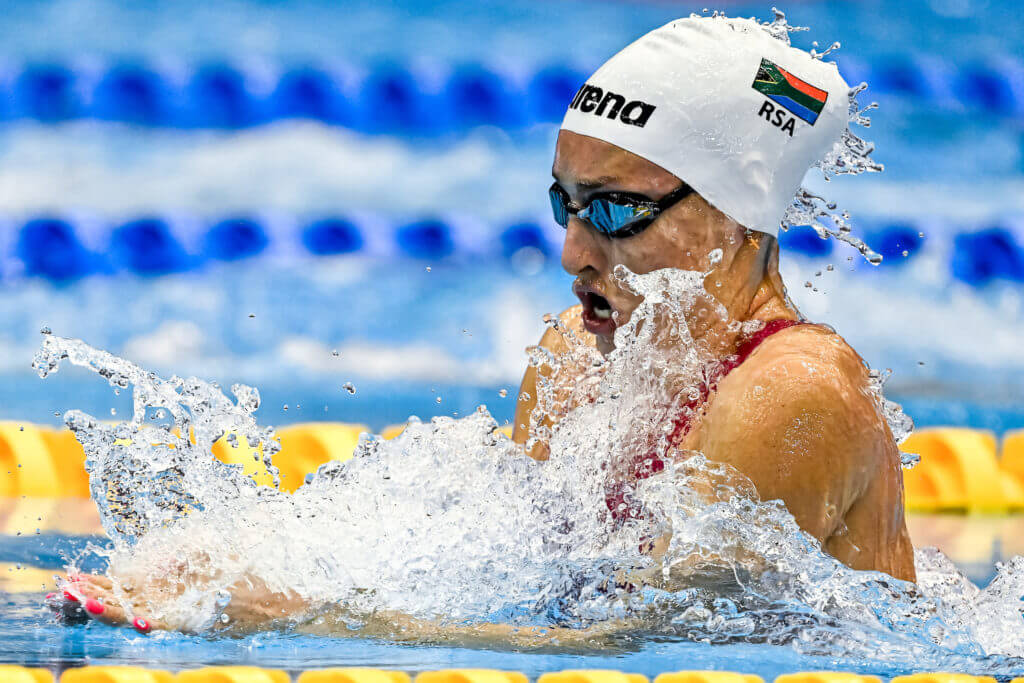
(597, 311)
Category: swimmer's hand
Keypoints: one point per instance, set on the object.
(91, 596)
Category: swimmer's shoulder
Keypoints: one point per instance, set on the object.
(797, 418)
(554, 339)
(808, 354)
(572, 321)
(802, 384)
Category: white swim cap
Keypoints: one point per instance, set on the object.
(722, 104)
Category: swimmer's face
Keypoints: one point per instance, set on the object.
(681, 237)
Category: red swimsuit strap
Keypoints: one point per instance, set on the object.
(748, 345)
(652, 462)
(681, 425)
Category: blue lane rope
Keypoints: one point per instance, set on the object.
(395, 98)
(58, 249)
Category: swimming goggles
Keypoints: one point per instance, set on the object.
(615, 214)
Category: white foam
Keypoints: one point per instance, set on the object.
(451, 521)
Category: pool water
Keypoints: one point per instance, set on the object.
(32, 638)
(439, 329)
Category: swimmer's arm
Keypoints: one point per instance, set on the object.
(254, 607)
(803, 427)
(402, 627)
(526, 399)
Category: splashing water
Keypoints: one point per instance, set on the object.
(452, 522)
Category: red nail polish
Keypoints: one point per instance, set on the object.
(51, 596)
(93, 606)
(141, 625)
(68, 596)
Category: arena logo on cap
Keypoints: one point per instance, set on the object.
(592, 99)
(796, 96)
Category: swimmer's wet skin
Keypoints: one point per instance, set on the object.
(653, 171)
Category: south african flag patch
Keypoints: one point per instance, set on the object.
(796, 95)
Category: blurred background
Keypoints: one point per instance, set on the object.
(306, 194)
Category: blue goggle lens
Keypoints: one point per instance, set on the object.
(610, 218)
(558, 207)
(605, 215)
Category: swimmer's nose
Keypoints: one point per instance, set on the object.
(581, 249)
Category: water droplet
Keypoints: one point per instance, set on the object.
(252, 315)
(503, 393)
(830, 267)
(224, 618)
(349, 387)
(428, 269)
(286, 406)
(437, 400)
(808, 284)
(905, 253)
(335, 353)
(45, 330)
(909, 460)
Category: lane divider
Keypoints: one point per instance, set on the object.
(116, 674)
(707, 677)
(959, 470)
(19, 674)
(232, 674)
(353, 675)
(252, 674)
(424, 99)
(589, 676)
(61, 248)
(472, 676)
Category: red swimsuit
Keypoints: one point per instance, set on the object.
(617, 497)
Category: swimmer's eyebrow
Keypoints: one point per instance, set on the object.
(587, 184)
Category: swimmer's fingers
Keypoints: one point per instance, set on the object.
(96, 598)
(98, 601)
(67, 610)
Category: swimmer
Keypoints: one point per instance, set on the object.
(690, 143)
(683, 151)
